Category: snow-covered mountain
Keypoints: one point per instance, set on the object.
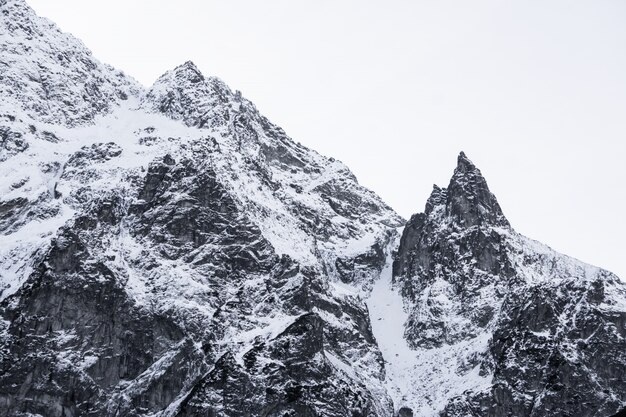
(508, 326)
(170, 252)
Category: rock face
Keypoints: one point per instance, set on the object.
(621, 413)
(50, 74)
(535, 333)
(170, 252)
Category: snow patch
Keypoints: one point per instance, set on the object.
(422, 379)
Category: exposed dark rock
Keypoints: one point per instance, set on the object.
(468, 199)
(405, 412)
(356, 269)
(75, 334)
(302, 382)
(98, 152)
(10, 210)
(11, 143)
(620, 414)
(467, 275)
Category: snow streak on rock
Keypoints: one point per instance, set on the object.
(424, 380)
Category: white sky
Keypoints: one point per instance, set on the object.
(534, 91)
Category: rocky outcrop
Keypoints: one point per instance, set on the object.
(453, 253)
(620, 414)
(302, 382)
(49, 75)
(467, 276)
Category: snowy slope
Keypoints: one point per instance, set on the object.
(423, 380)
(145, 246)
(50, 75)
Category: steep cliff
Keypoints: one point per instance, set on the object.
(519, 329)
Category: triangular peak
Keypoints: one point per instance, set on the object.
(467, 199)
(190, 71)
(184, 93)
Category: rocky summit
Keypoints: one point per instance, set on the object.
(519, 329)
(170, 252)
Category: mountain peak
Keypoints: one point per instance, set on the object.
(469, 200)
(437, 198)
(184, 93)
(464, 161)
(465, 166)
(189, 64)
(189, 71)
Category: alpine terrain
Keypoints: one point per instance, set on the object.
(170, 252)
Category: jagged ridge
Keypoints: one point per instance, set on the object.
(171, 252)
(520, 325)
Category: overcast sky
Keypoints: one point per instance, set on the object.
(534, 91)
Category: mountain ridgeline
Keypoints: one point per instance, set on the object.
(170, 252)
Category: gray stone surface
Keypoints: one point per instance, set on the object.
(171, 252)
(556, 326)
